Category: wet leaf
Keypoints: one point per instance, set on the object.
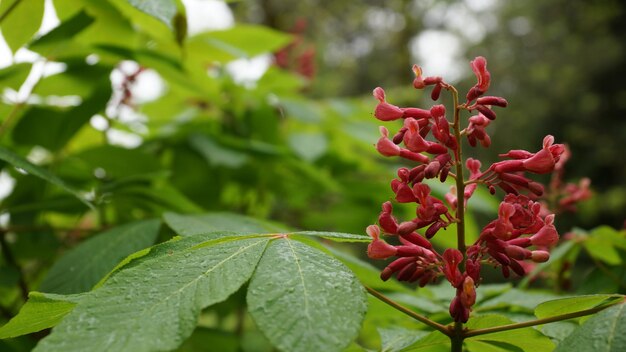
(603, 332)
(41, 311)
(304, 300)
(154, 304)
(335, 236)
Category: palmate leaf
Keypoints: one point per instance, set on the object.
(152, 299)
(304, 300)
(154, 305)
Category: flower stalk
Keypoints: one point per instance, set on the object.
(428, 139)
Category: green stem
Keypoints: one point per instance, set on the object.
(408, 312)
(526, 324)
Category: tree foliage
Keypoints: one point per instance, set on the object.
(231, 211)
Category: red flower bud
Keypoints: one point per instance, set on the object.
(488, 113)
(540, 256)
(432, 80)
(406, 227)
(434, 95)
(416, 113)
(418, 82)
(468, 295)
(490, 100)
(516, 252)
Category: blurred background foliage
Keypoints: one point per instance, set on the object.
(264, 108)
(559, 64)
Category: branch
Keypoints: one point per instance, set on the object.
(433, 324)
(526, 324)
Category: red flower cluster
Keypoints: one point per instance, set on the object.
(430, 140)
(297, 56)
(565, 195)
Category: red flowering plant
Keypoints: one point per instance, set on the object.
(522, 233)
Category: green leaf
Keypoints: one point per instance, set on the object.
(603, 250)
(154, 304)
(53, 128)
(396, 339)
(41, 311)
(517, 298)
(166, 248)
(163, 10)
(14, 76)
(308, 146)
(117, 162)
(302, 110)
(82, 267)
(559, 330)
(20, 20)
(189, 225)
(418, 301)
(58, 42)
(216, 154)
(527, 339)
(336, 236)
(367, 274)
(19, 162)
(616, 237)
(602, 243)
(490, 346)
(304, 300)
(77, 79)
(603, 332)
(433, 342)
(220, 340)
(162, 195)
(574, 304)
(240, 41)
